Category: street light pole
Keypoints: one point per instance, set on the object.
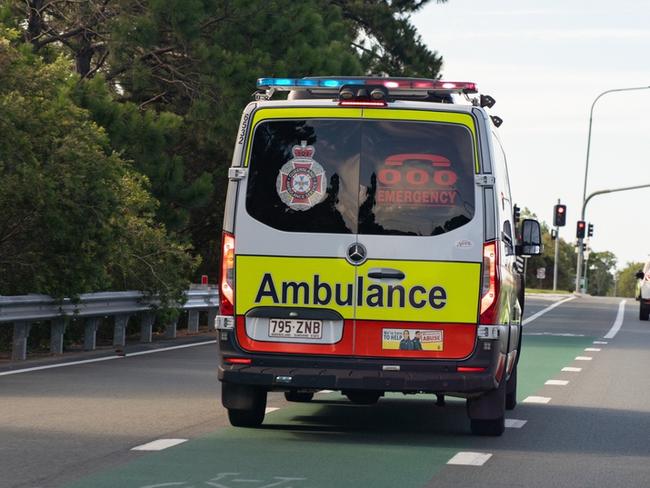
(584, 190)
(584, 208)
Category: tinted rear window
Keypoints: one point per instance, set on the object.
(361, 176)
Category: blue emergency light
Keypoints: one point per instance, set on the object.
(396, 84)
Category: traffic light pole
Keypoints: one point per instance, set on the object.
(557, 253)
(584, 208)
(584, 191)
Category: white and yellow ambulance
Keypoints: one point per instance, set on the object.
(369, 246)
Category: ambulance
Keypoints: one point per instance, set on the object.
(370, 246)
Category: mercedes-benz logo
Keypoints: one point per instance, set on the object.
(356, 254)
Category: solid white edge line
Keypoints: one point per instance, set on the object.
(107, 358)
(470, 458)
(618, 322)
(271, 409)
(547, 309)
(537, 399)
(515, 423)
(556, 382)
(158, 445)
(571, 369)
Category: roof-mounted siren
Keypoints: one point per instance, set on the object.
(377, 89)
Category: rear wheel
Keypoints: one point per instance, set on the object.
(363, 397)
(246, 404)
(487, 412)
(644, 311)
(298, 396)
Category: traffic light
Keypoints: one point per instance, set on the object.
(559, 215)
(590, 230)
(580, 229)
(516, 213)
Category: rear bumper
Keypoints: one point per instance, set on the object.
(313, 372)
(285, 378)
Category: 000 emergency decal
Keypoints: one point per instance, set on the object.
(430, 291)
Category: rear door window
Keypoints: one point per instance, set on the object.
(361, 176)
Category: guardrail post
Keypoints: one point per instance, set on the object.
(90, 333)
(193, 321)
(212, 316)
(119, 329)
(170, 329)
(21, 333)
(146, 326)
(57, 330)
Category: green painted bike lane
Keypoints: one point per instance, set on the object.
(401, 441)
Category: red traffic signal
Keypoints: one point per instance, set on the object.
(559, 215)
(580, 229)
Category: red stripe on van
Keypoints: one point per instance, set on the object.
(457, 339)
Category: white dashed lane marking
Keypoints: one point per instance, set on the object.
(601, 342)
(570, 369)
(537, 399)
(557, 382)
(271, 409)
(158, 445)
(470, 458)
(592, 349)
(583, 358)
(515, 423)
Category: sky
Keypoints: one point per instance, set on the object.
(545, 62)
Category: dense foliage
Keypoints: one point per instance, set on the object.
(116, 146)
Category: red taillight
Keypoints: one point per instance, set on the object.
(469, 369)
(227, 278)
(238, 360)
(489, 284)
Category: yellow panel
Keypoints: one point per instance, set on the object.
(430, 292)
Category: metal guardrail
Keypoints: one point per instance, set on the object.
(23, 311)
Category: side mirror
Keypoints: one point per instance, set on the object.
(640, 275)
(531, 239)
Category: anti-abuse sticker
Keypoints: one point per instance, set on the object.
(412, 340)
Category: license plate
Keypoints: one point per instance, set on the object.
(296, 328)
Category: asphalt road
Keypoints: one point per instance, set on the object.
(76, 426)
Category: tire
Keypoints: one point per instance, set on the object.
(246, 405)
(488, 427)
(487, 412)
(363, 397)
(298, 396)
(511, 390)
(246, 418)
(644, 311)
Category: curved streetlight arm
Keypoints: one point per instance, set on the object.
(601, 192)
(591, 116)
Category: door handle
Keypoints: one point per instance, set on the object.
(386, 274)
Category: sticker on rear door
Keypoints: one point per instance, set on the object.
(411, 340)
(301, 180)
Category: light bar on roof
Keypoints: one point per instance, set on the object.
(393, 84)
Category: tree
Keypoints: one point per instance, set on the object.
(198, 60)
(600, 266)
(627, 280)
(74, 216)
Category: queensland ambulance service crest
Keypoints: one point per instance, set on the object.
(301, 181)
